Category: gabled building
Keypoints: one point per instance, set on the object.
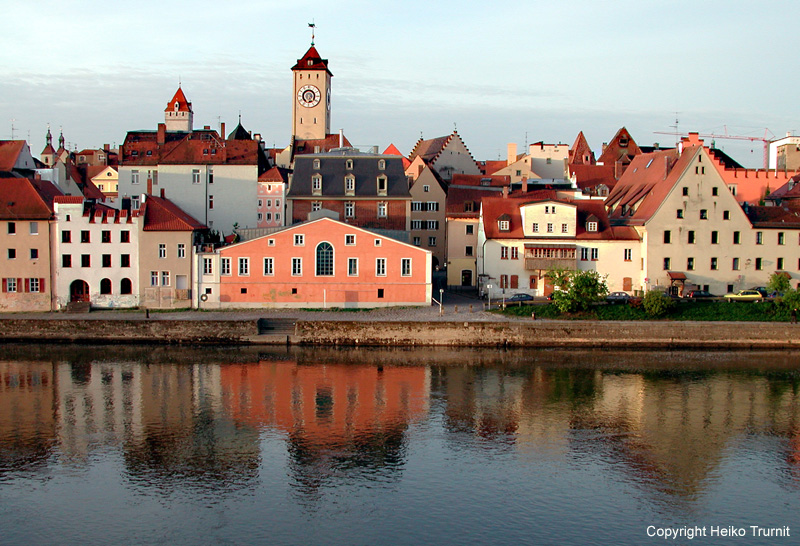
(694, 232)
(167, 237)
(428, 226)
(272, 186)
(581, 153)
(106, 180)
(16, 158)
(448, 155)
(521, 239)
(542, 162)
(26, 214)
(368, 190)
(320, 263)
(619, 152)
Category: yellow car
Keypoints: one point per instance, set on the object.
(745, 295)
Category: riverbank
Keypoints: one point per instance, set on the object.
(271, 329)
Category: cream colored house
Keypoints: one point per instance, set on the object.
(542, 162)
(694, 232)
(428, 197)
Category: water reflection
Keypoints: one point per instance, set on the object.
(219, 422)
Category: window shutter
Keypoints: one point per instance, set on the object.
(19, 285)
(27, 285)
(41, 285)
(514, 281)
(5, 285)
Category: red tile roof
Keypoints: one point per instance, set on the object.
(491, 167)
(588, 177)
(621, 148)
(275, 174)
(776, 217)
(68, 199)
(302, 147)
(392, 150)
(183, 104)
(480, 180)
(20, 200)
(200, 147)
(581, 152)
(429, 149)
(312, 61)
(161, 214)
(9, 152)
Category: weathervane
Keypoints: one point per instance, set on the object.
(313, 28)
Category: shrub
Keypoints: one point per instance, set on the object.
(779, 282)
(656, 304)
(583, 288)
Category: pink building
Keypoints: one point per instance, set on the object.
(320, 263)
(271, 197)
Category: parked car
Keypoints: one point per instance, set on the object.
(618, 297)
(761, 290)
(699, 295)
(745, 295)
(519, 297)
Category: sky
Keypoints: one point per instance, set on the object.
(499, 72)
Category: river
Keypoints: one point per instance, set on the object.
(237, 445)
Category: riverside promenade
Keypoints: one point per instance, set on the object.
(412, 326)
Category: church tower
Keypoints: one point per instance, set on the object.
(311, 114)
(48, 156)
(178, 115)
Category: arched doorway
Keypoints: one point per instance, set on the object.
(79, 291)
(466, 277)
(435, 263)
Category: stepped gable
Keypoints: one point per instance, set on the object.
(21, 200)
(161, 214)
(430, 149)
(581, 153)
(312, 61)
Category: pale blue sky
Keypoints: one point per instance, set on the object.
(498, 70)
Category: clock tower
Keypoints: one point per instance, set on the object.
(311, 113)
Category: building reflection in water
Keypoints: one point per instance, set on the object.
(341, 421)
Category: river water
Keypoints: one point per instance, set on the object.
(136, 445)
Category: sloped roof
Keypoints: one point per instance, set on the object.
(428, 150)
(9, 152)
(308, 146)
(48, 150)
(333, 170)
(275, 174)
(591, 176)
(312, 61)
(392, 150)
(790, 190)
(495, 207)
(183, 104)
(776, 217)
(199, 147)
(161, 214)
(621, 148)
(480, 180)
(459, 197)
(581, 149)
(648, 180)
(491, 167)
(21, 200)
(239, 133)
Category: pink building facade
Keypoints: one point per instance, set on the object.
(271, 198)
(322, 263)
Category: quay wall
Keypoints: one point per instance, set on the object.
(544, 334)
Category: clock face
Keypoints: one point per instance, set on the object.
(308, 96)
(328, 99)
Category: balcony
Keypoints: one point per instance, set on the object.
(538, 257)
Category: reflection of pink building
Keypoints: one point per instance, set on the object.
(321, 263)
(271, 202)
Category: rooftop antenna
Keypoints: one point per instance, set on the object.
(12, 128)
(313, 28)
(455, 127)
(677, 133)
(526, 140)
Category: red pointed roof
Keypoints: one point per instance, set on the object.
(581, 152)
(183, 104)
(392, 150)
(312, 61)
(621, 148)
(275, 175)
(20, 200)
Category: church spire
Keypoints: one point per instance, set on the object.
(61, 140)
(49, 137)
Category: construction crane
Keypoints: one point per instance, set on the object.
(765, 139)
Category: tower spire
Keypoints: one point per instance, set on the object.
(313, 28)
(49, 136)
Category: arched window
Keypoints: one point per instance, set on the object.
(324, 259)
(125, 286)
(105, 286)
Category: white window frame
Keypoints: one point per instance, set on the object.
(269, 267)
(350, 263)
(208, 266)
(225, 267)
(299, 239)
(350, 239)
(297, 267)
(165, 278)
(181, 250)
(162, 250)
(380, 267)
(405, 267)
(243, 268)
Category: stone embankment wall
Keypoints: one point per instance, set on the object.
(622, 335)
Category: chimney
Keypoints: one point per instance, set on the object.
(505, 192)
(222, 130)
(617, 169)
(341, 138)
(106, 148)
(524, 185)
(163, 193)
(605, 145)
(162, 134)
(512, 153)
(207, 127)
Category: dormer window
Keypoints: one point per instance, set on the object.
(382, 185)
(316, 164)
(591, 226)
(316, 184)
(349, 184)
(381, 164)
(349, 164)
(177, 105)
(310, 62)
(503, 225)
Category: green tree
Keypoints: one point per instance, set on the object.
(779, 282)
(656, 304)
(581, 290)
(559, 277)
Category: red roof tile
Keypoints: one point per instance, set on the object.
(621, 148)
(480, 180)
(308, 146)
(163, 215)
(491, 167)
(183, 104)
(392, 150)
(588, 177)
(9, 152)
(312, 61)
(581, 152)
(275, 174)
(20, 200)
